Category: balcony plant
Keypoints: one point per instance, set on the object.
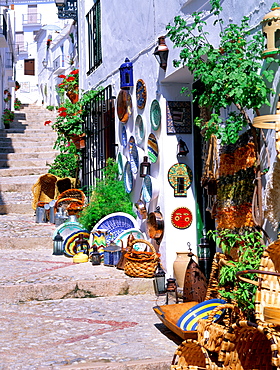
(7, 95)
(17, 104)
(70, 84)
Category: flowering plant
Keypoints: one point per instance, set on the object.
(69, 82)
(8, 117)
(8, 96)
(49, 40)
(17, 104)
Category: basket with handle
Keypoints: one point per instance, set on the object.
(141, 264)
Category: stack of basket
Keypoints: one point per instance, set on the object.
(72, 200)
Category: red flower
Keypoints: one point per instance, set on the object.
(63, 114)
(62, 109)
(47, 123)
(61, 76)
(75, 72)
(71, 78)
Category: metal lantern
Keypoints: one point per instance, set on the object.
(58, 247)
(171, 287)
(271, 30)
(145, 167)
(112, 254)
(159, 281)
(204, 254)
(95, 256)
(161, 52)
(81, 244)
(182, 149)
(126, 75)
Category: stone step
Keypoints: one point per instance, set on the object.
(30, 140)
(18, 132)
(23, 171)
(23, 162)
(21, 149)
(18, 183)
(27, 155)
(22, 208)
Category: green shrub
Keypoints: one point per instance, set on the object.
(65, 164)
(108, 196)
(50, 107)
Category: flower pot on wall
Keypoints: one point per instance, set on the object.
(79, 141)
(73, 96)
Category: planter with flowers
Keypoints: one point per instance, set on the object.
(70, 84)
(7, 95)
(8, 117)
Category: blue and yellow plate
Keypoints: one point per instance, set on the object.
(189, 320)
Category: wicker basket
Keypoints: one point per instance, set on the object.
(190, 355)
(210, 334)
(248, 346)
(44, 189)
(141, 264)
(72, 193)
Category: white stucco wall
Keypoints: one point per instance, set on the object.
(130, 29)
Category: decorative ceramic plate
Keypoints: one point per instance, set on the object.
(69, 242)
(189, 320)
(67, 228)
(124, 136)
(137, 235)
(116, 223)
(139, 130)
(155, 115)
(150, 188)
(128, 177)
(121, 162)
(152, 148)
(133, 155)
(124, 106)
(141, 94)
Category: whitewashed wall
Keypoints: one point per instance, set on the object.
(130, 29)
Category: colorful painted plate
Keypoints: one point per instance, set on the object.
(139, 130)
(124, 106)
(152, 148)
(115, 224)
(150, 188)
(133, 155)
(67, 228)
(137, 235)
(124, 136)
(121, 162)
(155, 115)
(189, 320)
(128, 177)
(141, 94)
(69, 242)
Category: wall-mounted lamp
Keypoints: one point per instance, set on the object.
(60, 3)
(126, 75)
(182, 149)
(161, 52)
(45, 63)
(145, 167)
(271, 30)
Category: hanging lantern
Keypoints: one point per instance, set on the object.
(161, 52)
(271, 30)
(182, 149)
(159, 281)
(171, 287)
(126, 75)
(58, 247)
(95, 257)
(145, 167)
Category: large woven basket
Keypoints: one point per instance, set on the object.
(141, 264)
(44, 189)
(190, 355)
(72, 193)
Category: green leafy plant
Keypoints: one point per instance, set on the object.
(8, 96)
(8, 117)
(230, 73)
(108, 196)
(17, 104)
(50, 107)
(69, 82)
(65, 164)
(249, 250)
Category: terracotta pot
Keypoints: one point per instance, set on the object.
(180, 266)
(73, 96)
(79, 141)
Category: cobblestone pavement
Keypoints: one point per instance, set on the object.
(56, 334)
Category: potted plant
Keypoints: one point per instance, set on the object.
(8, 117)
(70, 84)
(107, 196)
(65, 164)
(17, 104)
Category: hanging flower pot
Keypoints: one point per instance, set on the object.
(73, 96)
(79, 141)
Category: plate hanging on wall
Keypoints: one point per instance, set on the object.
(124, 106)
(152, 148)
(124, 136)
(181, 218)
(141, 94)
(155, 115)
(128, 177)
(139, 130)
(133, 154)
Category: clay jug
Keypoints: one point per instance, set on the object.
(180, 266)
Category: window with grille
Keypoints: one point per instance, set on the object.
(29, 67)
(94, 37)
